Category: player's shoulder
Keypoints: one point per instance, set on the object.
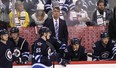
(21, 38)
(9, 41)
(97, 44)
(82, 47)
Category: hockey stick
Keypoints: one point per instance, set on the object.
(52, 47)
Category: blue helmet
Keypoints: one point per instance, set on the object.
(14, 30)
(44, 30)
(3, 31)
(104, 35)
(75, 41)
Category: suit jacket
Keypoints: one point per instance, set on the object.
(63, 31)
(112, 29)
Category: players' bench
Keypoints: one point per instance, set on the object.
(88, 35)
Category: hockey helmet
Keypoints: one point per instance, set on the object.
(14, 30)
(75, 41)
(3, 31)
(44, 30)
(104, 35)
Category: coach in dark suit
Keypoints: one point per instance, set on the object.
(57, 26)
(112, 26)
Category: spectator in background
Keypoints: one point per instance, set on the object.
(112, 26)
(5, 5)
(3, 14)
(39, 16)
(31, 7)
(76, 52)
(102, 49)
(3, 18)
(20, 17)
(101, 16)
(20, 45)
(79, 16)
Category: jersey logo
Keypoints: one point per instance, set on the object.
(8, 54)
(16, 52)
(105, 54)
(39, 43)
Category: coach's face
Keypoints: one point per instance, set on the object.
(56, 13)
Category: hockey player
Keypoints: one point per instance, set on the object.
(44, 52)
(102, 49)
(21, 51)
(76, 52)
(41, 51)
(5, 50)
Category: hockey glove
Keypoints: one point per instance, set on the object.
(63, 62)
(63, 46)
(24, 60)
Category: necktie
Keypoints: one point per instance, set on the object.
(56, 29)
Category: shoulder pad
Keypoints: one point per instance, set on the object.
(94, 45)
(115, 45)
(113, 41)
(85, 51)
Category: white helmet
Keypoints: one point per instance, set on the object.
(40, 6)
